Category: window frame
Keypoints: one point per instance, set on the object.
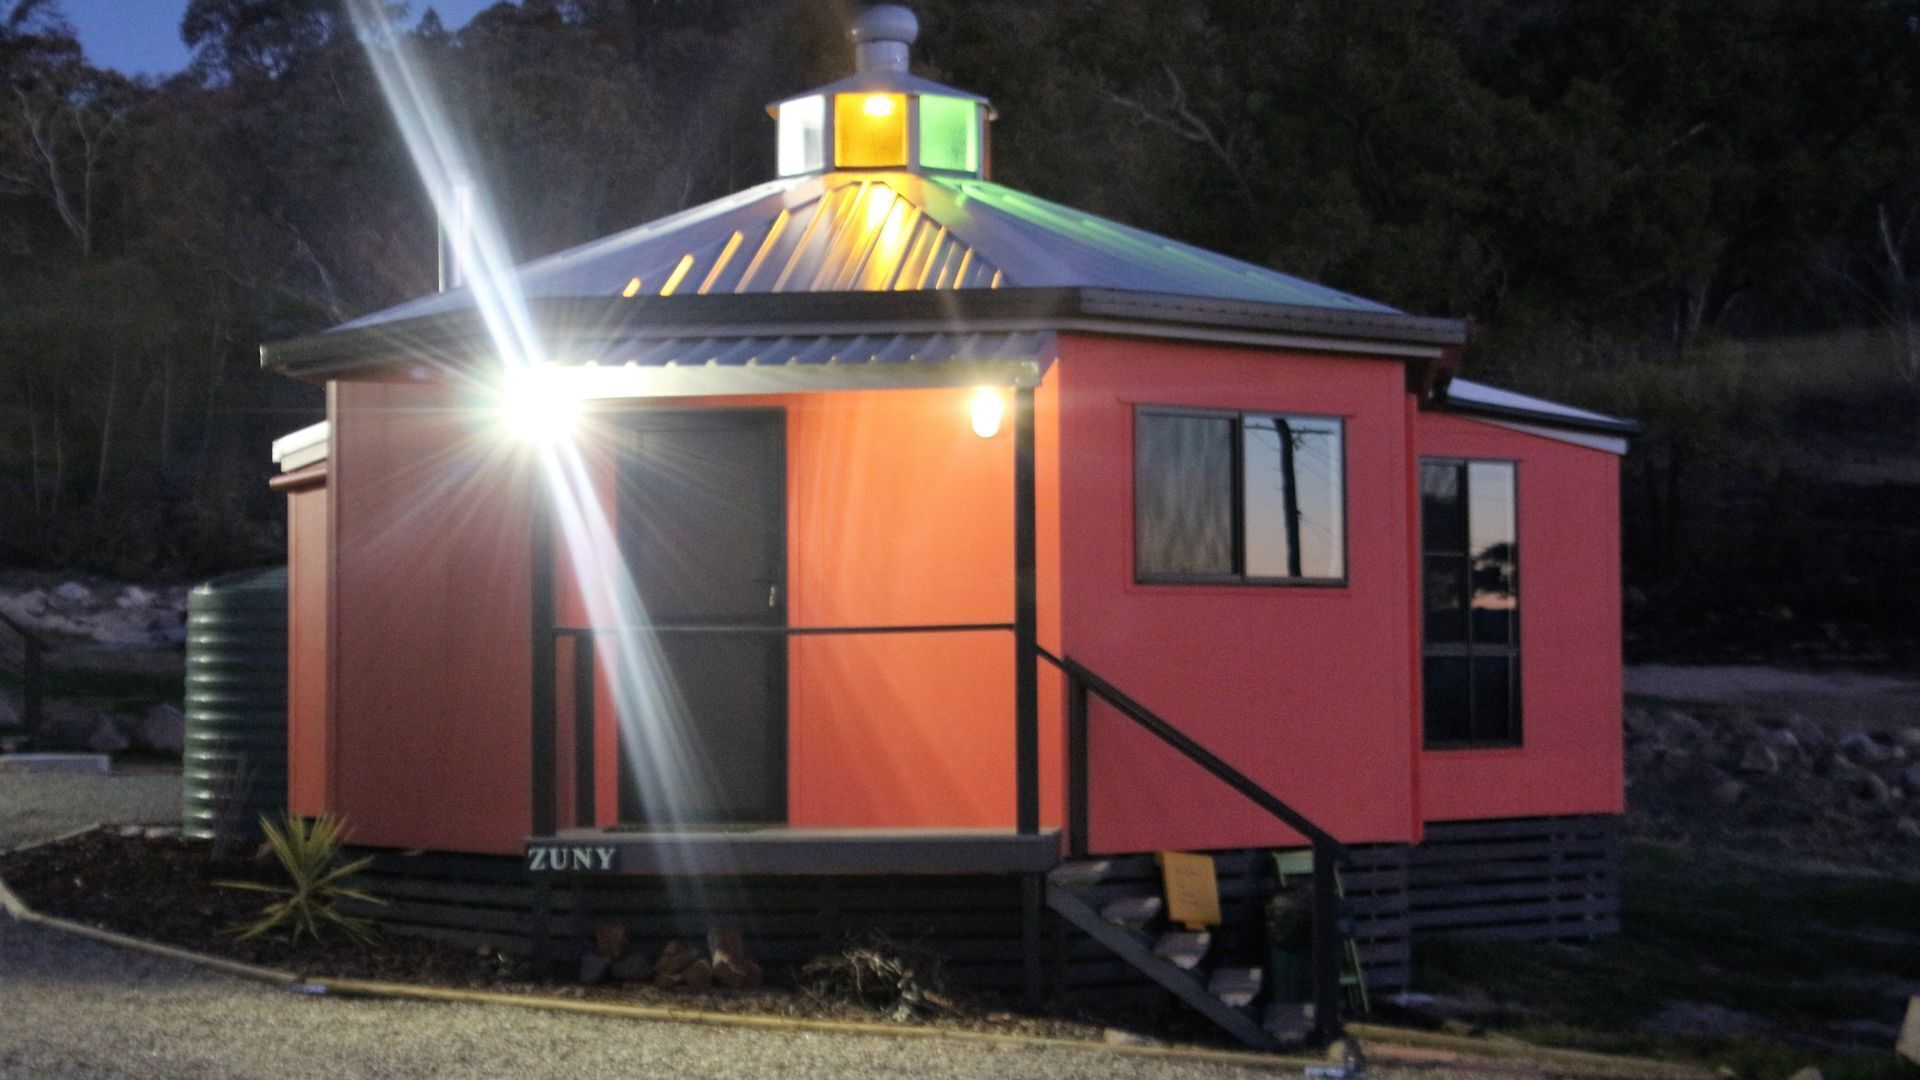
(1469, 649)
(1237, 485)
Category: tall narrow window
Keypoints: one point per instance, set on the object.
(1256, 498)
(1470, 629)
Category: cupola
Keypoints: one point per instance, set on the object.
(882, 116)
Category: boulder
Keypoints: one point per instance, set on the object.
(1862, 748)
(632, 967)
(1783, 740)
(1908, 737)
(164, 728)
(1759, 758)
(1811, 734)
(107, 737)
(610, 940)
(733, 966)
(133, 596)
(70, 596)
(1639, 723)
(1678, 725)
(1907, 829)
(593, 968)
(1869, 788)
(1910, 777)
(1729, 791)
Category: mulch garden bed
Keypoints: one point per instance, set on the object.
(160, 887)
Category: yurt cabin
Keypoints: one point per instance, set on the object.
(885, 548)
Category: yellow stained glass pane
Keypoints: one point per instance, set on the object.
(869, 130)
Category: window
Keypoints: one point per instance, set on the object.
(949, 133)
(1238, 497)
(1470, 612)
(800, 135)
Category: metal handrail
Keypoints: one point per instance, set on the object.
(32, 674)
(1327, 851)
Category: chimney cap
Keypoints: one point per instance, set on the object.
(884, 22)
(881, 35)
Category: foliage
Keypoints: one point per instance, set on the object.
(1630, 201)
(899, 981)
(310, 855)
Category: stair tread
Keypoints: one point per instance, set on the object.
(1183, 948)
(1132, 910)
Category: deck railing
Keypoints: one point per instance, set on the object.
(584, 674)
(1082, 685)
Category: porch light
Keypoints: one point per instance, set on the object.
(538, 406)
(987, 408)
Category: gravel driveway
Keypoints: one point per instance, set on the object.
(35, 806)
(73, 1008)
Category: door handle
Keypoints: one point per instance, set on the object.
(773, 594)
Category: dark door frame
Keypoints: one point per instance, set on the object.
(772, 423)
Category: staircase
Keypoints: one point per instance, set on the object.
(1130, 926)
(1128, 920)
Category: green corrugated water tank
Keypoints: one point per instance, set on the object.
(235, 762)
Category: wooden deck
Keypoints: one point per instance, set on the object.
(781, 850)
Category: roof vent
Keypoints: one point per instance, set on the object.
(881, 35)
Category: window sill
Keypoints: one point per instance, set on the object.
(1500, 748)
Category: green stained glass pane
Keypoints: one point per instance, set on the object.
(949, 134)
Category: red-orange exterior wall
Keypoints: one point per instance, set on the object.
(309, 557)
(897, 515)
(1305, 689)
(1569, 517)
(432, 633)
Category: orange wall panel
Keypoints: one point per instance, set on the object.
(430, 708)
(308, 557)
(1570, 652)
(1305, 689)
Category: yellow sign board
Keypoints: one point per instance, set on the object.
(1193, 893)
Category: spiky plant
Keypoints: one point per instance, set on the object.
(310, 854)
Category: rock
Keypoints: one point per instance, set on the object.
(733, 966)
(106, 737)
(70, 596)
(1638, 722)
(1862, 748)
(32, 603)
(676, 956)
(1910, 777)
(1908, 737)
(133, 596)
(1907, 828)
(696, 978)
(1784, 741)
(164, 728)
(9, 714)
(630, 968)
(1811, 734)
(1729, 791)
(1870, 789)
(593, 968)
(1678, 725)
(1808, 1073)
(1759, 758)
(610, 940)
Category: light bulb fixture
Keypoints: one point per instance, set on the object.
(537, 405)
(987, 408)
(877, 105)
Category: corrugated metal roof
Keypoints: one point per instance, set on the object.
(1469, 396)
(769, 363)
(887, 231)
(836, 349)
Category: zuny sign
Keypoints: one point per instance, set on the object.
(553, 858)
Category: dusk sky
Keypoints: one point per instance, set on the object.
(143, 36)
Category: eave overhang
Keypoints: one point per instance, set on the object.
(596, 329)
